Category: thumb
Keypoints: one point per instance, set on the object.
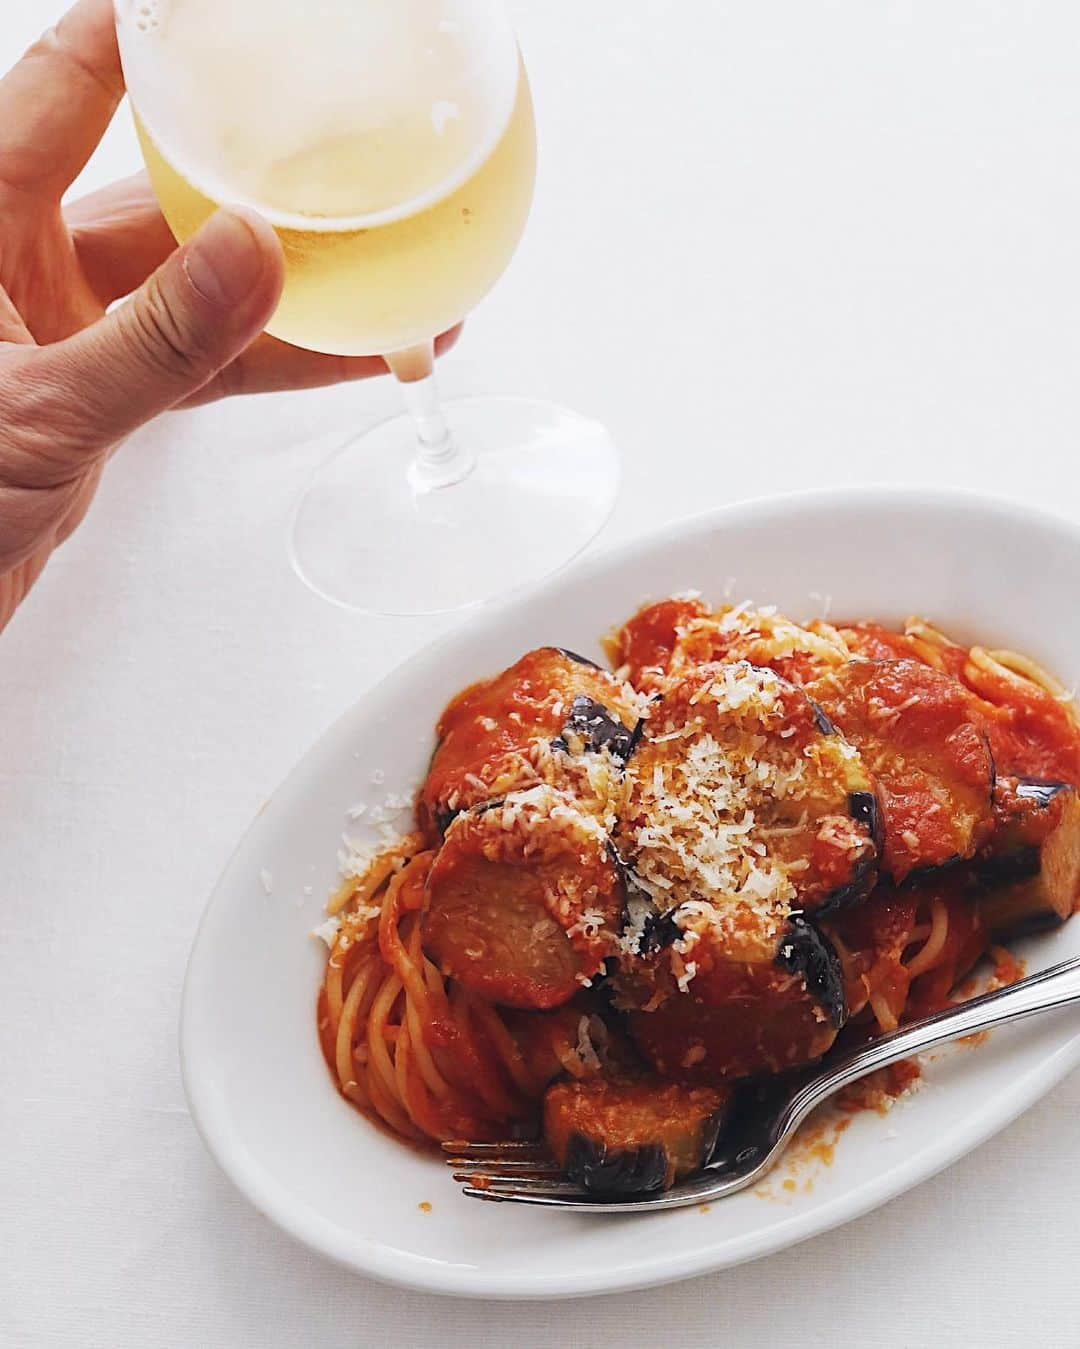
(206, 303)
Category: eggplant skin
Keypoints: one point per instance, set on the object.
(629, 1171)
(822, 720)
(594, 725)
(805, 951)
(853, 891)
(1040, 791)
(1019, 865)
(659, 931)
(578, 660)
(1029, 925)
(445, 818)
(657, 927)
(920, 875)
(865, 807)
(1014, 856)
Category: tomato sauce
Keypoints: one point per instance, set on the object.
(644, 645)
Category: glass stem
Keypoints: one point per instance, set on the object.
(440, 461)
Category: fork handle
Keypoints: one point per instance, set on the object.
(1057, 986)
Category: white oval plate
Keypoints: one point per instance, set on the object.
(259, 1091)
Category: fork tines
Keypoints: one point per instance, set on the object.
(501, 1171)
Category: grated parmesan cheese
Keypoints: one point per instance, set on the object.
(683, 981)
(588, 924)
(585, 1049)
(697, 823)
(327, 931)
(762, 636)
(354, 858)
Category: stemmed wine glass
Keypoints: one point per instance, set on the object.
(392, 146)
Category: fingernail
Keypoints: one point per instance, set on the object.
(224, 261)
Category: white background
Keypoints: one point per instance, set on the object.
(776, 243)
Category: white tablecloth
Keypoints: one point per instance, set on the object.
(775, 245)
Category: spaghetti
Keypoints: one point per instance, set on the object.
(414, 1050)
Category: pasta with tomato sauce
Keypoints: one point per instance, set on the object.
(627, 890)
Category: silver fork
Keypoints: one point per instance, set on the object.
(765, 1114)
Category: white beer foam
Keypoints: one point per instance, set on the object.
(359, 113)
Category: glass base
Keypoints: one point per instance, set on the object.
(369, 536)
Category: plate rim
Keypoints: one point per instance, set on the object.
(408, 1270)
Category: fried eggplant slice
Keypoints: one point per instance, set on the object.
(623, 1138)
(722, 1018)
(524, 900)
(741, 794)
(522, 727)
(1031, 872)
(922, 741)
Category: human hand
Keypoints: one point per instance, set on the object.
(75, 382)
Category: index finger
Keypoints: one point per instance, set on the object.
(56, 103)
